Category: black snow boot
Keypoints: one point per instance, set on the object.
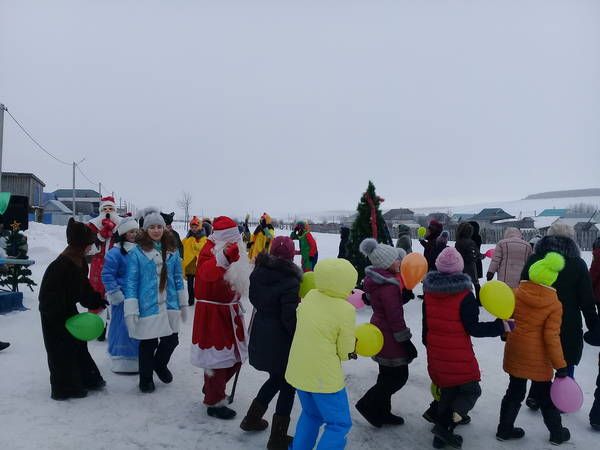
(438, 443)
(164, 374)
(279, 439)
(4, 345)
(431, 414)
(147, 386)
(508, 414)
(221, 412)
(254, 417)
(102, 337)
(65, 394)
(369, 410)
(553, 421)
(446, 435)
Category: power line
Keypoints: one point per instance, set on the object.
(34, 140)
(85, 176)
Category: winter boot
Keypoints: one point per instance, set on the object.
(279, 439)
(102, 337)
(221, 412)
(553, 421)
(253, 420)
(506, 428)
(164, 374)
(370, 411)
(4, 345)
(438, 443)
(446, 435)
(147, 386)
(532, 403)
(392, 419)
(65, 394)
(431, 414)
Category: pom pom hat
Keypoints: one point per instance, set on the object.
(150, 216)
(283, 247)
(381, 256)
(546, 270)
(449, 261)
(126, 225)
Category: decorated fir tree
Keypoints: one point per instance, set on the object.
(16, 247)
(368, 223)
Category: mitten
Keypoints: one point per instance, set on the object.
(562, 372)
(407, 295)
(489, 276)
(232, 253)
(411, 350)
(131, 323)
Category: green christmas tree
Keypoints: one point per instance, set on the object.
(368, 223)
(16, 247)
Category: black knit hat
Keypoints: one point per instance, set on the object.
(78, 234)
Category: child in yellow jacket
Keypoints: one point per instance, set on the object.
(192, 245)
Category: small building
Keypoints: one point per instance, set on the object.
(441, 217)
(489, 215)
(25, 184)
(553, 212)
(461, 217)
(544, 222)
(56, 213)
(398, 214)
(87, 201)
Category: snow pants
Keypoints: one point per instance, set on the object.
(215, 382)
(457, 399)
(318, 409)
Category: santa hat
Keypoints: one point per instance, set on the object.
(449, 261)
(107, 201)
(126, 225)
(225, 230)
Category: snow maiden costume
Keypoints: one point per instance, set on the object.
(123, 350)
(219, 343)
(155, 299)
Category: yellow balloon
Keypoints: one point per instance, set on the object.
(498, 299)
(308, 283)
(421, 232)
(369, 339)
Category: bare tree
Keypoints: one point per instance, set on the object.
(583, 208)
(184, 203)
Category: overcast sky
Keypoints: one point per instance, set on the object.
(293, 106)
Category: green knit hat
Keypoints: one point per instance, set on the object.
(546, 270)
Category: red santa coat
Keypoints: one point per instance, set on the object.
(98, 252)
(218, 334)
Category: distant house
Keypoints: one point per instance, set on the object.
(489, 215)
(523, 223)
(441, 217)
(26, 184)
(399, 214)
(553, 213)
(544, 222)
(461, 217)
(87, 201)
(56, 213)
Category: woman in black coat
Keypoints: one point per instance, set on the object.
(478, 241)
(574, 289)
(274, 287)
(72, 370)
(468, 250)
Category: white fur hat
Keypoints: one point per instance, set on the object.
(126, 225)
(561, 229)
(150, 216)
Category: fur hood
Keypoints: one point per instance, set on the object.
(279, 264)
(560, 244)
(436, 282)
(378, 276)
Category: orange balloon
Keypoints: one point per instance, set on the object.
(413, 269)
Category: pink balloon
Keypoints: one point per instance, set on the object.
(355, 299)
(566, 395)
(490, 253)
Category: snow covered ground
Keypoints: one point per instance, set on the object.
(120, 417)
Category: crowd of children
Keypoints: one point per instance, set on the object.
(301, 344)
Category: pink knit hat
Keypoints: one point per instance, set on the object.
(282, 247)
(449, 261)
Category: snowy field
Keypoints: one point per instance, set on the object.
(173, 417)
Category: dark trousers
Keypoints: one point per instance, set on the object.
(190, 289)
(378, 399)
(535, 388)
(595, 411)
(276, 383)
(156, 352)
(457, 399)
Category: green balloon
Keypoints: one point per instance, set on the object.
(421, 232)
(308, 283)
(85, 326)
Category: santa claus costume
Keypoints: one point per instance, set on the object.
(219, 343)
(105, 227)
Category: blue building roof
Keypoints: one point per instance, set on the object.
(553, 213)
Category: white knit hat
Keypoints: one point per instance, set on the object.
(381, 256)
(150, 216)
(126, 225)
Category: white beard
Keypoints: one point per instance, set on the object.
(238, 273)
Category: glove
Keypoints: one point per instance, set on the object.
(232, 253)
(131, 323)
(107, 228)
(183, 310)
(509, 325)
(489, 276)
(407, 295)
(411, 350)
(562, 372)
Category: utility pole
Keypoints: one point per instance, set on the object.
(73, 207)
(100, 189)
(2, 108)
